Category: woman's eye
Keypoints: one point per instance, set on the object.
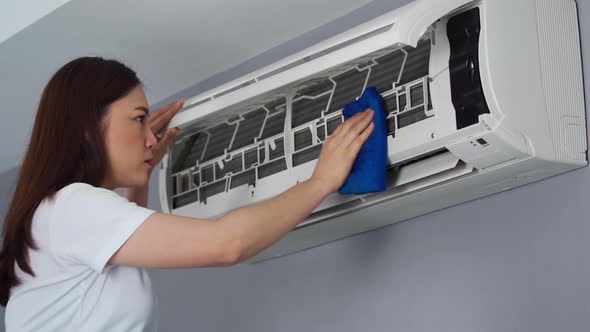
(140, 118)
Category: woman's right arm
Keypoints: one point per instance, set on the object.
(170, 241)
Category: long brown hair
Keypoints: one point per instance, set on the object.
(66, 146)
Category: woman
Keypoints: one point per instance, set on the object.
(93, 133)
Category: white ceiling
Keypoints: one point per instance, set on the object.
(172, 45)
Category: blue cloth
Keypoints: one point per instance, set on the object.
(369, 169)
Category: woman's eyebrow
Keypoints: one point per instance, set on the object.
(141, 108)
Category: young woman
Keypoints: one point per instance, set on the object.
(74, 252)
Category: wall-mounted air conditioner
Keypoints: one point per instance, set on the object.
(480, 97)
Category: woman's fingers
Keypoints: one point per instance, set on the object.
(343, 127)
(160, 118)
(165, 140)
(157, 113)
(356, 129)
(358, 142)
(347, 131)
(341, 149)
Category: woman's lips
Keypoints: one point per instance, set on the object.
(149, 162)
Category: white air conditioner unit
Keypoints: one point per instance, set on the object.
(480, 97)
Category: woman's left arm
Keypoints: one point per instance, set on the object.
(158, 121)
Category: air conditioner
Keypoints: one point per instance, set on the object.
(480, 96)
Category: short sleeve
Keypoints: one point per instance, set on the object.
(89, 224)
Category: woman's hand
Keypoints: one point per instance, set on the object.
(341, 149)
(157, 121)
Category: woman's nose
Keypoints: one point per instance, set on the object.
(150, 139)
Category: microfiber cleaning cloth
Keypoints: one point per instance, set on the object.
(369, 169)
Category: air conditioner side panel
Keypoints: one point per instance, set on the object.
(532, 77)
(561, 69)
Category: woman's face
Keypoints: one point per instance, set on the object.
(128, 141)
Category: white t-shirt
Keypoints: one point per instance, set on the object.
(73, 288)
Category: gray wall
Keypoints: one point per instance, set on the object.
(516, 261)
(7, 185)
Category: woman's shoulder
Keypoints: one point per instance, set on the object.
(81, 196)
(79, 187)
(82, 201)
